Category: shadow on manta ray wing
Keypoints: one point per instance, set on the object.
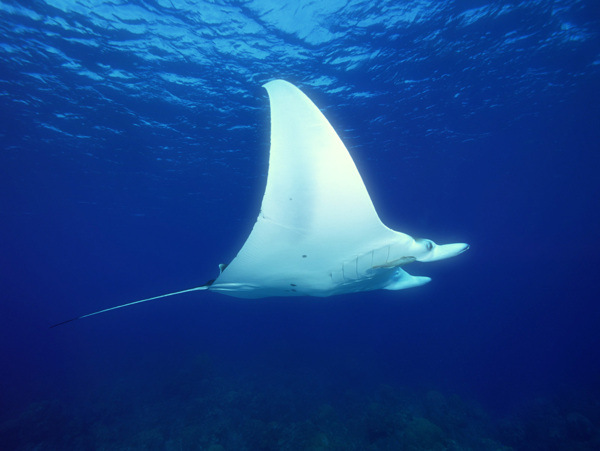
(317, 233)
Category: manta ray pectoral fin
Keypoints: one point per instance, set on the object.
(402, 280)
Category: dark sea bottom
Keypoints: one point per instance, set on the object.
(201, 405)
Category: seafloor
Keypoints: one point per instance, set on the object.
(203, 407)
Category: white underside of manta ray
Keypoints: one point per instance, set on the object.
(317, 233)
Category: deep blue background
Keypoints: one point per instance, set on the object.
(134, 148)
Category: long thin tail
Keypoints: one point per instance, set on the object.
(203, 287)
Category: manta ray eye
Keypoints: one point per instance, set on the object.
(428, 245)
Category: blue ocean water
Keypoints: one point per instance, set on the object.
(134, 150)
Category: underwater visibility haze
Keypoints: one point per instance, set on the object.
(134, 155)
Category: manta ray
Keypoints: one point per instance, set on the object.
(317, 232)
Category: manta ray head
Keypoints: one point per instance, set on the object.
(427, 251)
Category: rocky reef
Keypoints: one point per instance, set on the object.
(199, 407)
